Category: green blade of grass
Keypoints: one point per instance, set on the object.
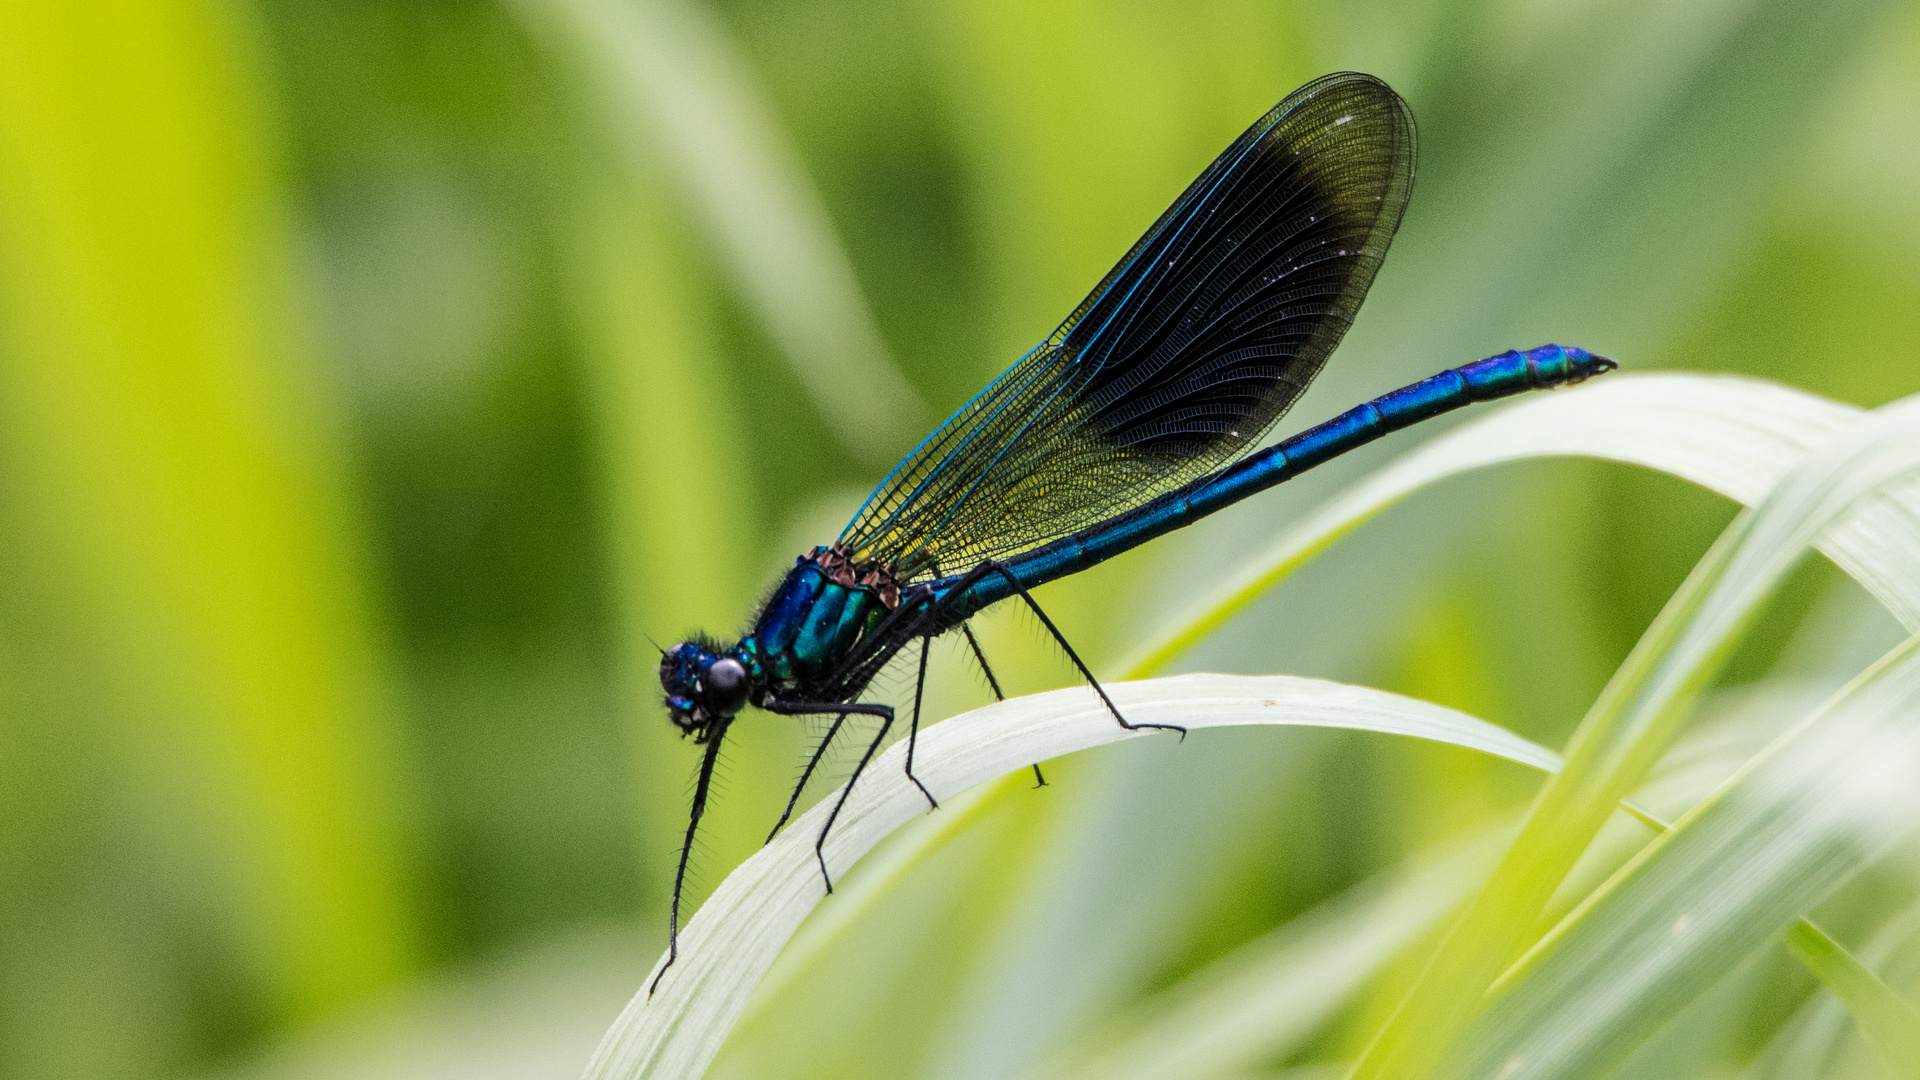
(1808, 1044)
(917, 842)
(1817, 805)
(731, 942)
(1631, 724)
(1889, 1021)
(1879, 1009)
(1260, 1002)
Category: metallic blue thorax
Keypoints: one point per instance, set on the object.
(816, 616)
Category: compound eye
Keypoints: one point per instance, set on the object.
(724, 686)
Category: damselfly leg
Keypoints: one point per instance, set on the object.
(980, 657)
(806, 773)
(1085, 672)
(794, 708)
(700, 790)
(913, 732)
(820, 842)
(993, 566)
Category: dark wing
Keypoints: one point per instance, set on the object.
(1195, 344)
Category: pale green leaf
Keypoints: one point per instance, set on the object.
(1257, 1003)
(1820, 803)
(732, 941)
(1814, 1042)
(1631, 724)
(1888, 1020)
(1261, 1001)
(911, 847)
(1263, 998)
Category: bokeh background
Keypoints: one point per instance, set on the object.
(380, 379)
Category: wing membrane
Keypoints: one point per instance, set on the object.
(1181, 358)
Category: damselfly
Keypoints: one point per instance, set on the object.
(1129, 421)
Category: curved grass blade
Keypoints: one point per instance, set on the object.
(1888, 1020)
(672, 89)
(1263, 1000)
(1635, 718)
(1734, 436)
(678, 1033)
(1259, 1002)
(1818, 805)
(1813, 1042)
(734, 938)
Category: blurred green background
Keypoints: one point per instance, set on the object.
(377, 378)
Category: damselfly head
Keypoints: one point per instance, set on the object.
(703, 686)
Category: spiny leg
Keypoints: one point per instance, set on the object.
(1085, 672)
(820, 844)
(806, 774)
(980, 657)
(913, 732)
(814, 708)
(686, 848)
